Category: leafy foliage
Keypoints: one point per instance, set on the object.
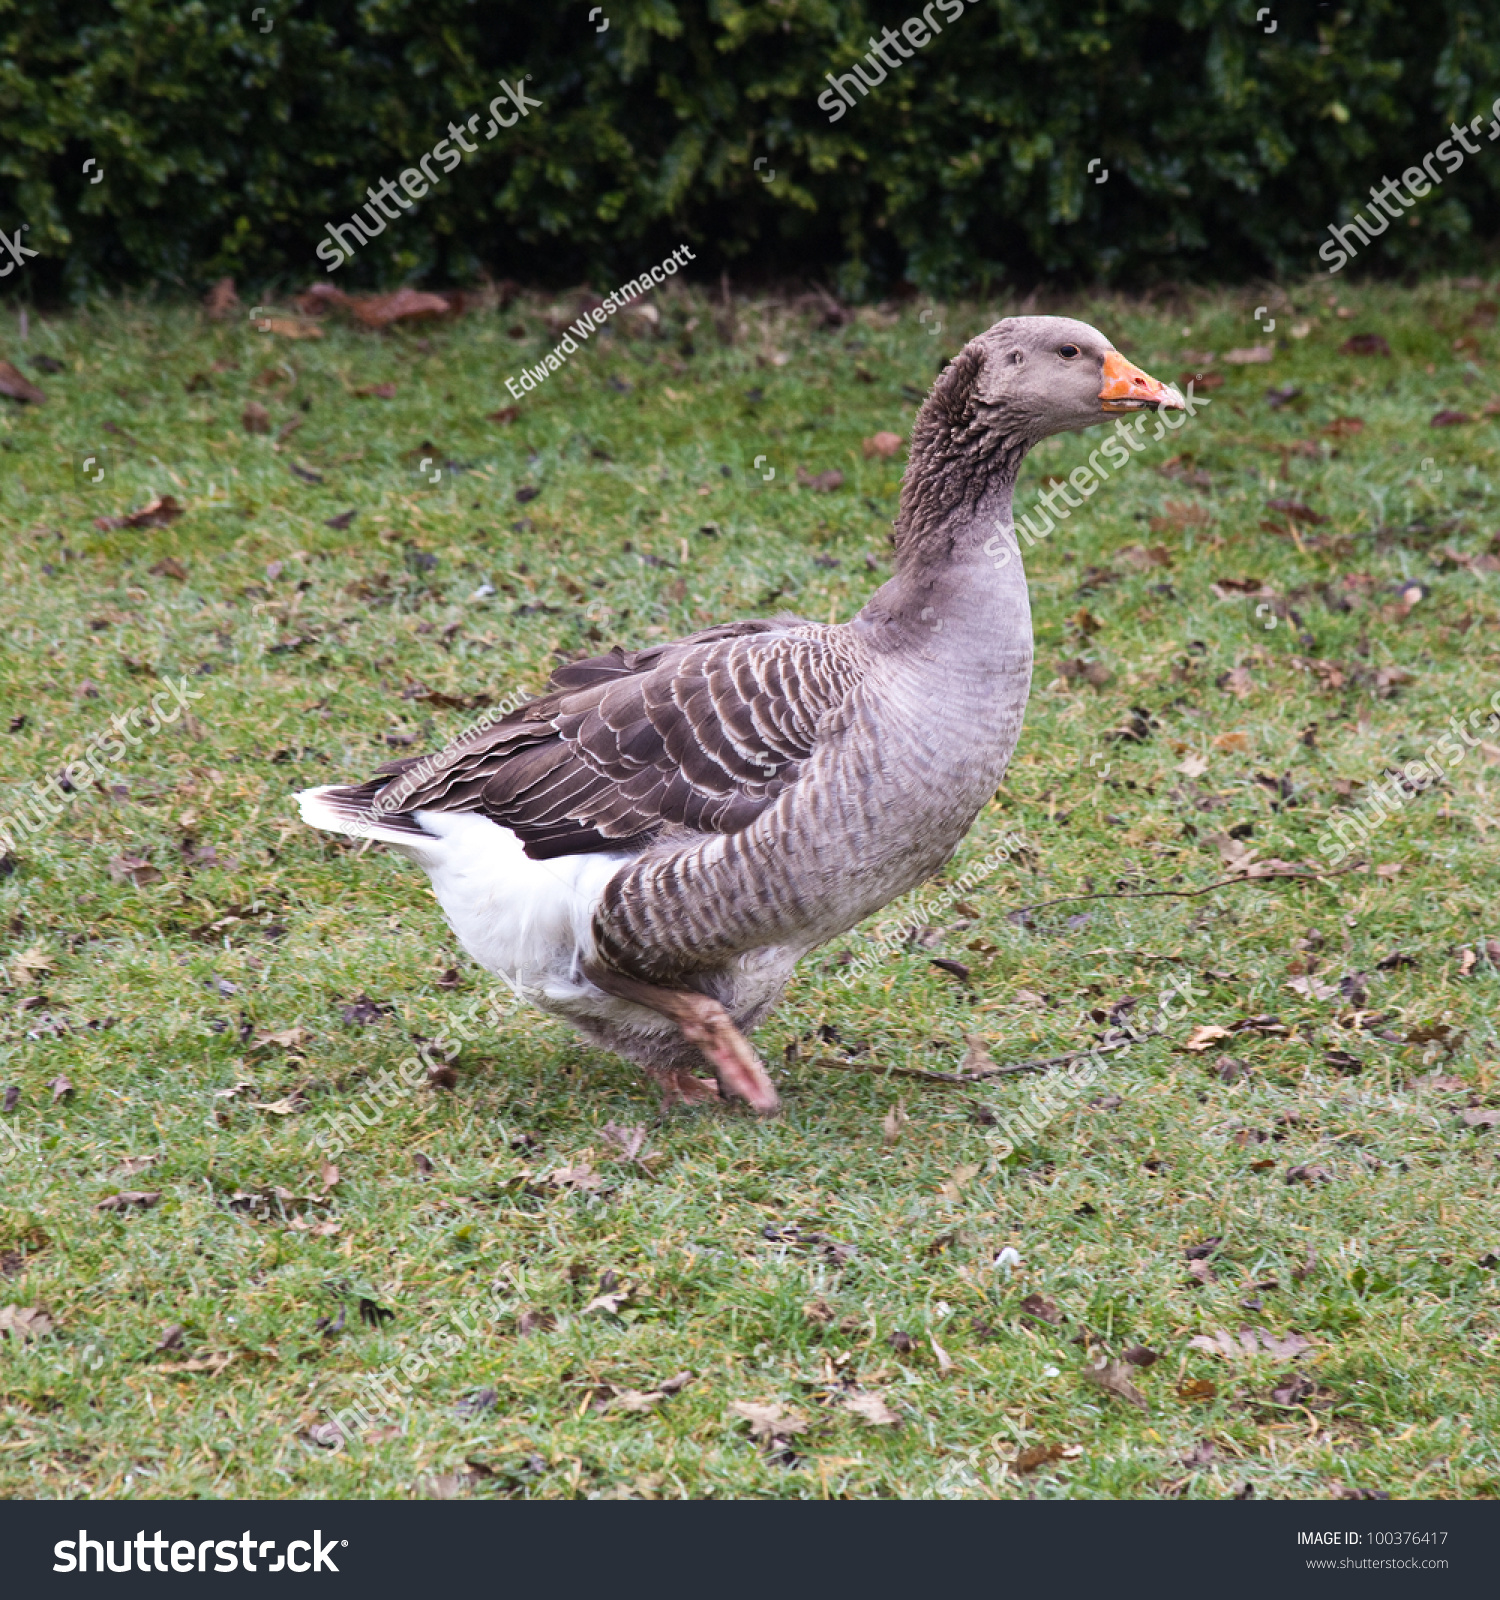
(227, 149)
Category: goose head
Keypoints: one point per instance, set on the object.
(1017, 383)
(1037, 376)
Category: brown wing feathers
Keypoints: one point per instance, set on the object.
(702, 734)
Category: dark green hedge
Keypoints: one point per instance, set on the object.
(226, 149)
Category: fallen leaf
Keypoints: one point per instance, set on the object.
(1309, 1175)
(506, 414)
(1236, 681)
(213, 1364)
(769, 1421)
(823, 482)
(61, 1088)
(169, 567)
(1364, 344)
(1296, 511)
(1480, 1117)
(361, 1010)
(891, 1125)
(580, 1177)
(883, 444)
(134, 1164)
(1139, 1356)
(287, 327)
(255, 418)
(1039, 1307)
(126, 1198)
(1204, 1035)
(1039, 1455)
(1450, 419)
(15, 385)
(22, 1323)
(288, 1039)
(1251, 355)
(1193, 766)
(1314, 988)
(380, 311)
(871, 1409)
(1143, 557)
(629, 1141)
(1114, 1378)
(157, 514)
(1344, 427)
(1293, 1388)
(221, 300)
(1231, 741)
(285, 1107)
(944, 1360)
(375, 391)
(1196, 1389)
(541, 1321)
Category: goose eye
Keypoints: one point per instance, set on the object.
(1068, 351)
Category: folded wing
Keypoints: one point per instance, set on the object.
(702, 734)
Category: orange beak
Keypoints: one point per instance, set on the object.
(1124, 387)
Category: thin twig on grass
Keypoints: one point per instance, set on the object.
(1040, 1065)
(1187, 894)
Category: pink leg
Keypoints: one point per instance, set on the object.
(705, 1024)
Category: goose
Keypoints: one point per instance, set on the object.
(648, 848)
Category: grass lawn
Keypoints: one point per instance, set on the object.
(194, 981)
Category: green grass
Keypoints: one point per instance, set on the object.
(653, 520)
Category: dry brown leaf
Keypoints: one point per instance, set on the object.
(1231, 741)
(32, 963)
(769, 1421)
(214, 1364)
(1314, 988)
(871, 1409)
(24, 1322)
(1114, 1378)
(287, 327)
(128, 1198)
(1204, 1035)
(1193, 766)
(883, 444)
(380, 311)
(221, 300)
(977, 1058)
(157, 513)
(891, 1125)
(944, 1360)
(287, 1039)
(16, 385)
